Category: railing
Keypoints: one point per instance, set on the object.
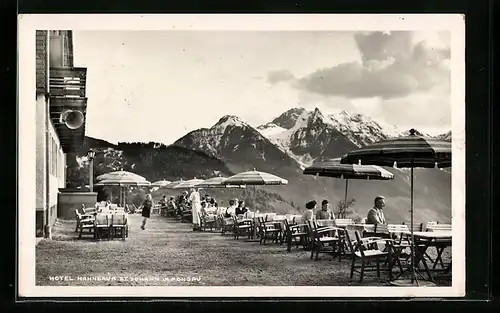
(67, 82)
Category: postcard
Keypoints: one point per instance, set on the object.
(241, 155)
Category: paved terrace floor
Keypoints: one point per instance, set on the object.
(169, 249)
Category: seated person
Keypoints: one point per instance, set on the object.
(309, 213)
(231, 209)
(241, 209)
(163, 201)
(325, 213)
(213, 203)
(203, 209)
(376, 214)
(171, 206)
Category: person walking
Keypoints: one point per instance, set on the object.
(146, 210)
(195, 200)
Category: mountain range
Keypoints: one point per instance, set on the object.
(284, 146)
(298, 137)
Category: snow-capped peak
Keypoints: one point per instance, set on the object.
(270, 129)
(288, 119)
(227, 120)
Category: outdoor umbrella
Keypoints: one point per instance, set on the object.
(216, 182)
(404, 152)
(187, 184)
(333, 168)
(160, 183)
(255, 178)
(173, 184)
(121, 178)
(121, 175)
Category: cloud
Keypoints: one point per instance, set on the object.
(279, 76)
(392, 65)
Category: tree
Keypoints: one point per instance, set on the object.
(343, 208)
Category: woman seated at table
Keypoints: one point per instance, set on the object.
(231, 209)
(309, 213)
(241, 209)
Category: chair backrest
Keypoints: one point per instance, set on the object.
(118, 219)
(89, 210)
(430, 225)
(361, 247)
(350, 241)
(416, 226)
(397, 228)
(102, 219)
(440, 227)
(344, 222)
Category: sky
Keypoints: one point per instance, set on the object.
(160, 85)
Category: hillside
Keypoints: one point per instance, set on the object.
(153, 161)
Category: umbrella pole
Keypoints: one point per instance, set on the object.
(345, 198)
(346, 186)
(413, 277)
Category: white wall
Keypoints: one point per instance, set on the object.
(56, 177)
(40, 152)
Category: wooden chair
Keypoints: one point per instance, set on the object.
(416, 226)
(102, 226)
(227, 224)
(381, 230)
(429, 226)
(439, 227)
(207, 222)
(88, 211)
(323, 240)
(84, 223)
(267, 230)
(119, 225)
(186, 216)
(365, 250)
(82, 218)
(399, 232)
(294, 232)
(242, 227)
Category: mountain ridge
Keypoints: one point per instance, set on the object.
(309, 136)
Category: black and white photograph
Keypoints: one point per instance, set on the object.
(286, 155)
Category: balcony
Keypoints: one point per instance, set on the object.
(67, 92)
(67, 82)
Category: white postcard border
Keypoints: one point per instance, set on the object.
(454, 23)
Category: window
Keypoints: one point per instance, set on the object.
(49, 149)
(56, 48)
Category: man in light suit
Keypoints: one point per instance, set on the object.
(376, 214)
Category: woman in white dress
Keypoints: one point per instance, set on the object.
(195, 199)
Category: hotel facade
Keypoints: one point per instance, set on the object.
(61, 105)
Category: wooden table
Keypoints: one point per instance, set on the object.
(423, 240)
